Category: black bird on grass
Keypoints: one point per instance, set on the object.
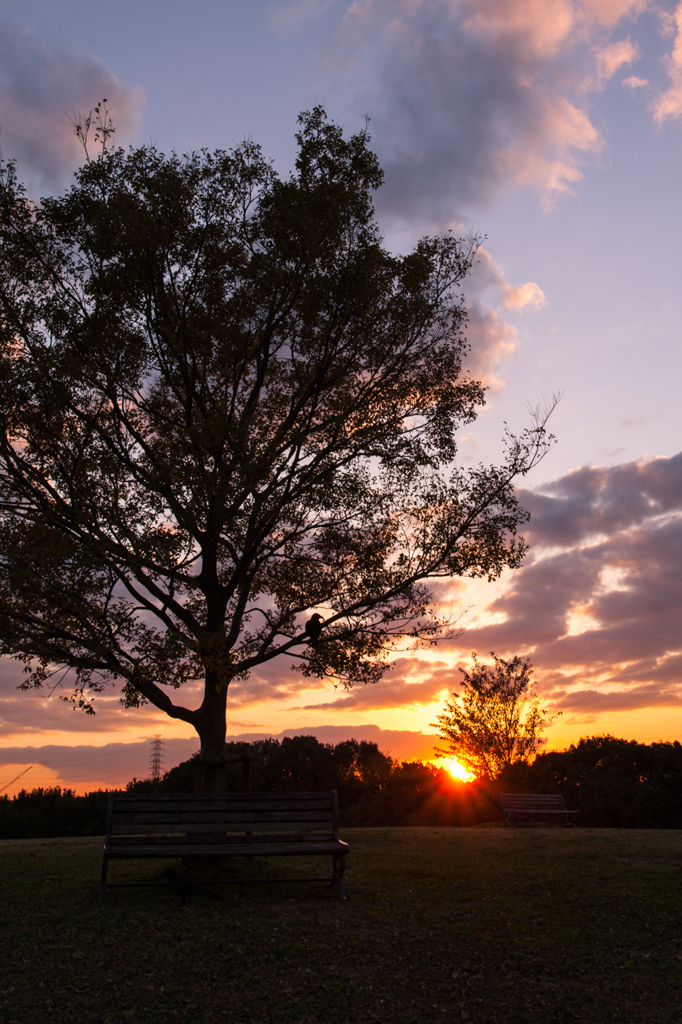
(185, 887)
(313, 629)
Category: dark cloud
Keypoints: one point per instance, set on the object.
(109, 765)
(590, 502)
(599, 603)
(39, 87)
(618, 700)
(403, 744)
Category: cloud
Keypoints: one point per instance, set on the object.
(408, 683)
(471, 98)
(39, 712)
(109, 765)
(491, 339)
(613, 57)
(610, 12)
(289, 14)
(635, 421)
(490, 336)
(598, 604)
(669, 103)
(592, 502)
(39, 87)
(619, 700)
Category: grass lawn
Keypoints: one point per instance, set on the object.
(475, 924)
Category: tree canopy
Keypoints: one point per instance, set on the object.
(225, 405)
(496, 722)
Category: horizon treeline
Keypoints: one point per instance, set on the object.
(613, 783)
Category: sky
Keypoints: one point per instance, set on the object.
(553, 130)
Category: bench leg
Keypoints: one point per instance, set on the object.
(339, 861)
(103, 880)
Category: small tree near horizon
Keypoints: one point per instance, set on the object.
(225, 407)
(495, 723)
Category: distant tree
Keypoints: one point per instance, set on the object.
(495, 724)
(223, 406)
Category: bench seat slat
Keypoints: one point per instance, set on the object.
(134, 803)
(236, 818)
(236, 850)
(232, 798)
(536, 810)
(200, 827)
(221, 839)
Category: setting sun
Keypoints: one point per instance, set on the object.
(457, 770)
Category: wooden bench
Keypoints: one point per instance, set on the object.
(534, 803)
(151, 825)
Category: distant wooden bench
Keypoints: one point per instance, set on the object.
(534, 803)
(151, 825)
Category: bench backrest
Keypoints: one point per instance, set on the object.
(137, 814)
(532, 802)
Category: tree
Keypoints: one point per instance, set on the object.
(225, 405)
(496, 723)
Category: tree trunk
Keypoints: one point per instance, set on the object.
(211, 726)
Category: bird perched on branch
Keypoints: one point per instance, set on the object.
(313, 629)
(185, 887)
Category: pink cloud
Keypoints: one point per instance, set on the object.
(490, 336)
(39, 87)
(613, 57)
(669, 104)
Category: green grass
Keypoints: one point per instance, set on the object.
(475, 924)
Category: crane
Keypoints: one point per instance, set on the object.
(8, 784)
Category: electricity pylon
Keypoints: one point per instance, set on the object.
(156, 758)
